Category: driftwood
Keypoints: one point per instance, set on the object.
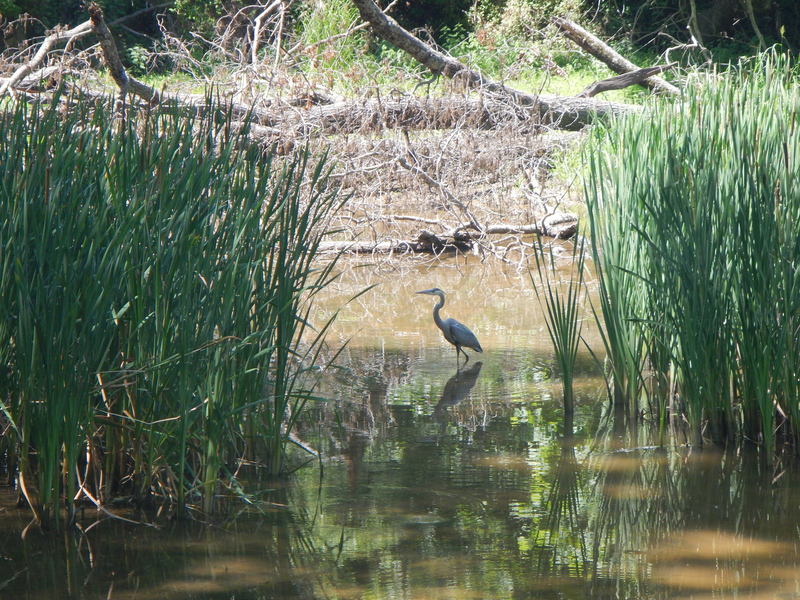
(461, 239)
(426, 243)
(33, 80)
(49, 42)
(412, 112)
(565, 113)
(615, 61)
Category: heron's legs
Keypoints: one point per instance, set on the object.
(466, 356)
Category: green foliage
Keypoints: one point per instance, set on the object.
(9, 9)
(323, 20)
(156, 283)
(199, 15)
(522, 18)
(694, 213)
(137, 59)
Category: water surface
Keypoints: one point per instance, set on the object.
(445, 483)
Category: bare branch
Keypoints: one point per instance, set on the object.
(625, 80)
(615, 61)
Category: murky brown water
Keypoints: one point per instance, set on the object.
(446, 484)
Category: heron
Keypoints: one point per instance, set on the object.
(454, 332)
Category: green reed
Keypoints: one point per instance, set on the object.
(694, 210)
(156, 283)
(561, 300)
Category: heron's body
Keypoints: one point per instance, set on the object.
(454, 332)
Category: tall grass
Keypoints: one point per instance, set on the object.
(561, 303)
(695, 218)
(155, 280)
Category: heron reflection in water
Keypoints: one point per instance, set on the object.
(454, 332)
(457, 388)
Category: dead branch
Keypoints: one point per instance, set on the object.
(442, 190)
(19, 77)
(258, 28)
(49, 42)
(565, 113)
(619, 82)
(615, 61)
(32, 80)
(111, 57)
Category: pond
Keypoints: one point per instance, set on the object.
(443, 483)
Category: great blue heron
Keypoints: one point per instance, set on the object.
(454, 332)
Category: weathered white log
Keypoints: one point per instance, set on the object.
(60, 34)
(49, 42)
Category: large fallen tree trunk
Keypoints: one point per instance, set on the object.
(415, 113)
(565, 113)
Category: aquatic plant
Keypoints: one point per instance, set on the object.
(694, 214)
(561, 303)
(156, 281)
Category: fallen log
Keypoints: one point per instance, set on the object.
(414, 113)
(565, 113)
(426, 243)
(615, 61)
(460, 239)
(31, 81)
(560, 226)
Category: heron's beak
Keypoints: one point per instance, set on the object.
(425, 291)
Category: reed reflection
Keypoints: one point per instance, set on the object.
(561, 538)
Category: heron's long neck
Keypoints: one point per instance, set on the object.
(436, 318)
